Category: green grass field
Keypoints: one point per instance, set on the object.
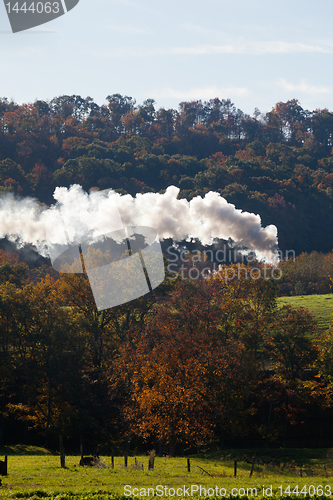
(321, 306)
(40, 476)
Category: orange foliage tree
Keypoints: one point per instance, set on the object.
(185, 373)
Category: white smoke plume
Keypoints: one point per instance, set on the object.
(23, 220)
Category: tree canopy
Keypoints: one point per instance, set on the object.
(277, 164)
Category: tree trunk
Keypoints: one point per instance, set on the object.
(62, 451)
(172, 445)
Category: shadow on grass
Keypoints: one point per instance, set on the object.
(300, 456)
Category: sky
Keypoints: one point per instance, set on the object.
(255, 53)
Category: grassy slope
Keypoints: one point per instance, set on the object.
(320, 305)
(22, 449)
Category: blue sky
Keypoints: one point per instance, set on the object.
(254, 52)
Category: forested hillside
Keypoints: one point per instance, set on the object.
(278, 164)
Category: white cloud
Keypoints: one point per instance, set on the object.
(138, 5)
(199, 93)
(127, 29)
(240, 48)
(303, 87)
(22, 53)
(255, 48)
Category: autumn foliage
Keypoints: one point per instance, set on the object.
(195, 363)
(277, 164)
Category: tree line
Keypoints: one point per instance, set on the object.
(277, 164)
(211, 362)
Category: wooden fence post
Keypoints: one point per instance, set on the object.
(252, 467)
(81, 449)
(235, 468)
(126, 459)
(151, 460)
(3, 467)
(188, 465)
(62, 451)
(112, 459)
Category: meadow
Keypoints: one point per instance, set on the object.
(321, 306)
(304, 473)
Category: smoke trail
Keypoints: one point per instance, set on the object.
(23, 220)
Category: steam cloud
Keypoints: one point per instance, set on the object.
(23, 220)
